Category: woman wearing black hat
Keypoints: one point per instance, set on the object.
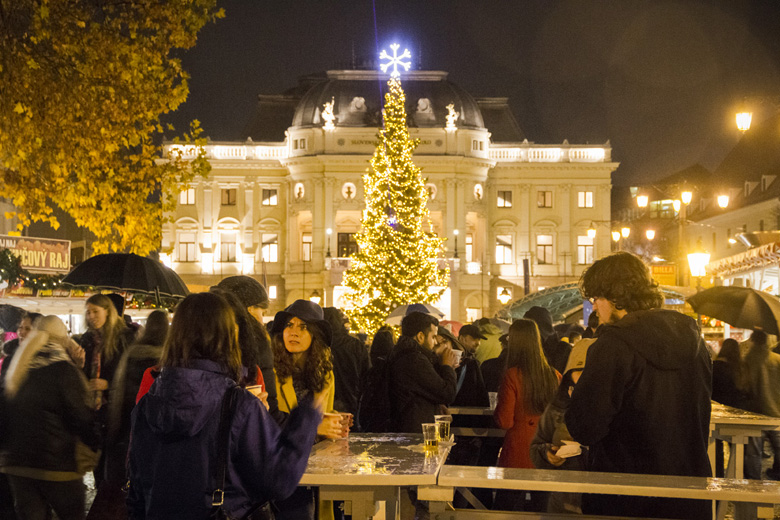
(300, 339)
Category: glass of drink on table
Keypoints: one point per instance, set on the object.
(430, 435)
(443, 423)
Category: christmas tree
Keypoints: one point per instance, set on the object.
(398, 259)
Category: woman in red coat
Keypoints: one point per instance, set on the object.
(529, 383)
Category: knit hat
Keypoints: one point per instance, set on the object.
(248, 290)
(307, 311)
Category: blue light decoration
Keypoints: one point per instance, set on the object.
(395, 60)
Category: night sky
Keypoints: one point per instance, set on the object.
(661, 80)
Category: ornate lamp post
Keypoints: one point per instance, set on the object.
(504, 296)
(697, 262)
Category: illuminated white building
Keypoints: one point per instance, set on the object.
(285, 200)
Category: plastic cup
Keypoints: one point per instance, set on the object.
(346, 422)
(493, 399)
(443, 423)
(430, 435)
(458, 356)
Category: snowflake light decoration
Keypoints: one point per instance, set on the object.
(395, 60)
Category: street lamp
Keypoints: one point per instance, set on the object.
(315, 297)
(625, 232)
(592, 231)
(650, 234)
(616, 236)
(456, 232)
(697, 262)
(743, 121)
(504, 296)
(328, 232)
(723, 201)
(642, 200)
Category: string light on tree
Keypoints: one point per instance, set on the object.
(398, 257)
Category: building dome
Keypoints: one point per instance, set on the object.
(358, 99)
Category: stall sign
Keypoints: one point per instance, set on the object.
(39, 255)
(665, 274)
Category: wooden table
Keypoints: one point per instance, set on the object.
(366, 468)
(472, 431)
(736, 426)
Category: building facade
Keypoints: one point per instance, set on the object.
(284, 199)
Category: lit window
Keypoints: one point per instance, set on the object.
(544, 249)
(347, 244)
(227, 247)
(585, 199)
(229, 196)
(306, 252)
(271, 292)
(185, 251)
(504, 249)
(469, 248)
(270, 197)
(270, 247)
(504, 199)
(187, 197)
(584, 250)
(544, 199)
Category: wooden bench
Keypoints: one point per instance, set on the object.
(759, 496)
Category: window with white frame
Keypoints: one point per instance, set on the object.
(307, 244)
(185, 250)
(544, 249)
(584, 199)
(504, 199)
(270, 197)
(504, 249)
(227, 246)
(269, 249)
(544, 199)
(584, 250)
(469, 247)
(229, 196)
(187, 197)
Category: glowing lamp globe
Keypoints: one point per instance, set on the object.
(616, 235)
(676, 204)
(642, 200)
(315, 297)
(591, 232)
(504, 297)
(650, 234)
(686, 197)
(625, 232)
(697, 262)
(723, 201)
(743, 121)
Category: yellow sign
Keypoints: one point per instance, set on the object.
(39, 255)
(664, 274)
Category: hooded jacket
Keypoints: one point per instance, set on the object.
(419, 385)
(173, 449)
(642, 404)
(350, 363)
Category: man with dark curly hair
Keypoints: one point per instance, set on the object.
(642, 403)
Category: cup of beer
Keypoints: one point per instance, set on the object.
(430, 435)
(443, 423)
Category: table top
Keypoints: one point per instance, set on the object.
(762, 491)
(368, 459)
(723, 415)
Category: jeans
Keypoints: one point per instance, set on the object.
(33, 497)
(753, 450)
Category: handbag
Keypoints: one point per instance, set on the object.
(260, 512)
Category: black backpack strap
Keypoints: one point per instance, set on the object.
(223, 441)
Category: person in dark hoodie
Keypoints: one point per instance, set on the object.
(642, 404)
(350, 363)
(555, 350)
(173, 448)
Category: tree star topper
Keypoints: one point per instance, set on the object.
(395, 60)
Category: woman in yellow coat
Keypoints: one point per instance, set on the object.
(302, 363)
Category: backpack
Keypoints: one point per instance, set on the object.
(374, 412)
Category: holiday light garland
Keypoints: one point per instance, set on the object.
(398, 258)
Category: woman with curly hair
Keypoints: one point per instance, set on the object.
(300, 339)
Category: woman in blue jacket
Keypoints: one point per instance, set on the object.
(173, 450)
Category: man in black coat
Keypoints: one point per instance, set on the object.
(422, 379)
(642, 403)
(350, 363)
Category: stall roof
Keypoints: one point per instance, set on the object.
(760, 257)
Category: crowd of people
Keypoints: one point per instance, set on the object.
(214, 410)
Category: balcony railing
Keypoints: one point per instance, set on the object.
(552, 153)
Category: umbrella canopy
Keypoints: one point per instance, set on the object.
(740, 307)
(127, 272)
(395, 317)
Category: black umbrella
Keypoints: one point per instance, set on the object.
(739, 306)
(127, 272)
